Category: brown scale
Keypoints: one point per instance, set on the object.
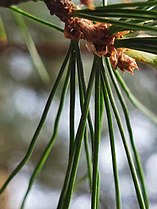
(97, 35)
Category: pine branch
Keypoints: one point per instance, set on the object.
(8, 3)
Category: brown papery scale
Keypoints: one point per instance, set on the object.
(98, 39)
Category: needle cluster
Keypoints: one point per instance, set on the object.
(97, 35)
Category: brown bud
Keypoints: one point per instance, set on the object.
(88, 3)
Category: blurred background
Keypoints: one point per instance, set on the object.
(23, 93)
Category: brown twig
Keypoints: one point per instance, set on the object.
(8, 3)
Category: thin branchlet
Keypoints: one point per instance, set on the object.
(8, 3)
